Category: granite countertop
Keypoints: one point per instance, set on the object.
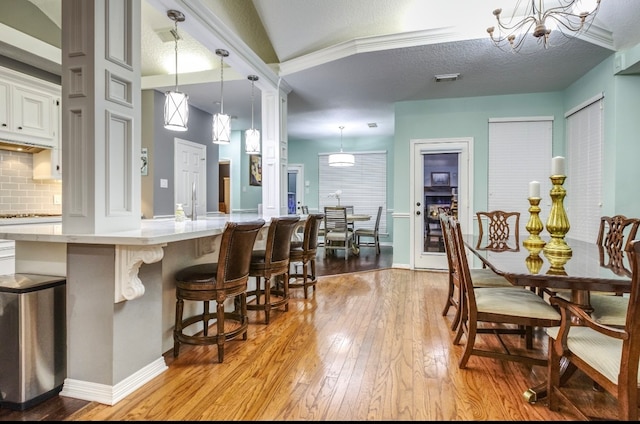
(151, 232)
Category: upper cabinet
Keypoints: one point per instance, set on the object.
(29, 109)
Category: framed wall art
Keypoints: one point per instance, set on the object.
(255, 170)
(440, 179)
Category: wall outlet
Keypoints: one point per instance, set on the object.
(57, 199)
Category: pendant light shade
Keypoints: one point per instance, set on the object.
(221, 123)
(176, 103)
(252, 136)
(341, 159)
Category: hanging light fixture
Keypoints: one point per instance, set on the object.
(252, 136)
(566, 17)
(176, 103)
(341, 159)
(221, 122)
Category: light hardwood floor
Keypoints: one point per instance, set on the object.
(366, 346)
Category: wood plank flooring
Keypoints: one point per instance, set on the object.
(368, 345)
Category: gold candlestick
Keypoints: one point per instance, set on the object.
(558, 222)
(534, 243)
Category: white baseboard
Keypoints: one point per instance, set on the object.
(110, 395)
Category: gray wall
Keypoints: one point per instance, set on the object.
(157, 201)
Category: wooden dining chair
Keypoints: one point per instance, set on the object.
(304, 252)
(480, 277)
(503, 230)
(270, 263)
(371, 233)
(610, 356)
(615, 235)
(516, 311)
(215, 282)
(337, 235)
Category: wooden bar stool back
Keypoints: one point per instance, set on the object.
(216, 282)
(305, 252)
(271, 262)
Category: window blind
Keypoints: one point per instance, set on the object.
(364, 186)
(519, 152)
(584, 171)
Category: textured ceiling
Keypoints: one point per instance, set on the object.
(347, 62)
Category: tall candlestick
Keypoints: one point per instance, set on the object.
(557, 165)
(557, 222)
(534, 189)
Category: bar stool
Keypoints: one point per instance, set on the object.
(271, 262)
(305, 252)
(216, 282)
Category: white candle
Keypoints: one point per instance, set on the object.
(557, 165)
(534, 189)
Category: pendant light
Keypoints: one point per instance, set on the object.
(252, 136)
(176, 103)
(341, 159)
(221, 122)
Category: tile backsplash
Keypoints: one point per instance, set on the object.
(19, 192)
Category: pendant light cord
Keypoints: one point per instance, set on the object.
(341, 128)
(175, 36)
(221, 85)
(252, 83)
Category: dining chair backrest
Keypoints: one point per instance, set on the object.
(609, 356)
(617, 232)
(503, 230)
(335, 219)
(304, 210)
(376, 227)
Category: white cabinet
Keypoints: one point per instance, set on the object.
(29, 109)
(47, 164)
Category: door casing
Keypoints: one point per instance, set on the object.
(463, 146)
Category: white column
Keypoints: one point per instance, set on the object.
(274, 152)
(101, 116)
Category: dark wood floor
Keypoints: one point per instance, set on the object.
(60, 407)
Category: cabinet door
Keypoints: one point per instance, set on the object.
(33, 113)
(5, 105)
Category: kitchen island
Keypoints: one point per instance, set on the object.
(120, 294)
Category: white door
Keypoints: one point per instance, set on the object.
(457, 176)
(190, 170)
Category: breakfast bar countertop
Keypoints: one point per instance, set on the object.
(151, 232)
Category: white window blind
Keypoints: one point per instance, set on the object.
(584, 171)
(519, 152)
(364, 186)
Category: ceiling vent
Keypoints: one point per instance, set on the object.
(447, 77)
(168, 35)
(372, 125)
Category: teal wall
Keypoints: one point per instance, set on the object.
(244, 197)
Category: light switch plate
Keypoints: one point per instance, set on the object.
(164, 183)
(57, 199)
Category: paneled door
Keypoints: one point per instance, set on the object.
(190, 166)
(441, 172)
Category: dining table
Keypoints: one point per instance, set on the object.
(586, 267)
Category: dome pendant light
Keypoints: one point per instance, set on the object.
(341, 159)
(252, 136)
(176, 104)
(221, 122)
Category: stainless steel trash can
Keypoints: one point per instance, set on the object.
(32, 339)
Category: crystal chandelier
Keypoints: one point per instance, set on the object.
(252, 136)
(566, 17)
(221, 123)
(341, 159)
(176, 103)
